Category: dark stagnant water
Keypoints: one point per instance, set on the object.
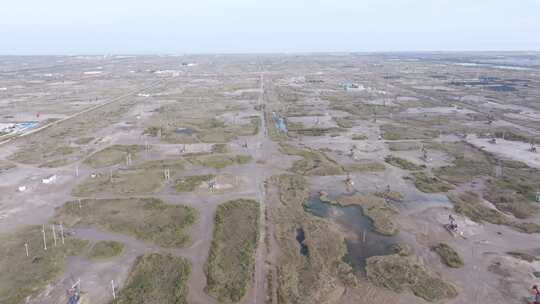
(185, 131)
(301, 237)
(360, 237)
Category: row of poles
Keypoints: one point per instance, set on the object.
(62, 238)
(55, 239)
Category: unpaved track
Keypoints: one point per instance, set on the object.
(259, 279)
(116, 99)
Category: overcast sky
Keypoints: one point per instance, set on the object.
(243, 26)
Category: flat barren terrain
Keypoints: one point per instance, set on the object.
(324, 178)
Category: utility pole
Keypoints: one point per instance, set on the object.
(54, 234)
(62, 233)
(113, 291)
(167, 174)
(44, 240)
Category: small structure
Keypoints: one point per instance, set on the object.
(349, 182)
(49, 180)
(424, 156)
(21, 188)
(350, 86)
(74, 293)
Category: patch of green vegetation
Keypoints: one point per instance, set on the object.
(527, 227)
(232, 255)
(430, 184)
(313, 163)
(161, 164)
(156, 279)
(273, 131)
(376, 208)
(403, 146)
(395, 132)
(403, 163)
(511, 134)
(469, 204)
(468, 164)
(345, 122)
(112, 155)
(139, 181)
(83, 140)
(319, 276)
(5, 166)
(514, 191)
(190, 183)
(523, 256)
(145, 178)
(220, 148)
(24, 276)
(397, 273)
(48, 154)
(365, 166)
(536, 274)
(220, 161)
(105, 250)
(448, 255)
(148, 219)
(359, 137)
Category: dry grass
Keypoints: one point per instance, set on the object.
(134, 182)
(397, 272)
(512, 192)
(313, 163)
(5, 166)
(105, 250)
(231, 261)
(403, 146)
(190, 183)
(359, 137)
(470, 205)
(156, 279)
(376, 208)
(25, 276)
(220, 161)
(201, 129)
(112, 155)
(147, 219)
(403, 163)
(364, 166)
(448, 255)
(46, 154)
(395, 132)
(469, 162)
(320, 276)
(430, 184)
(523, 256)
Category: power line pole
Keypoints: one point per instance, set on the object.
(113, 291)
(44, 240)
(54, 234)
(62, 233)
